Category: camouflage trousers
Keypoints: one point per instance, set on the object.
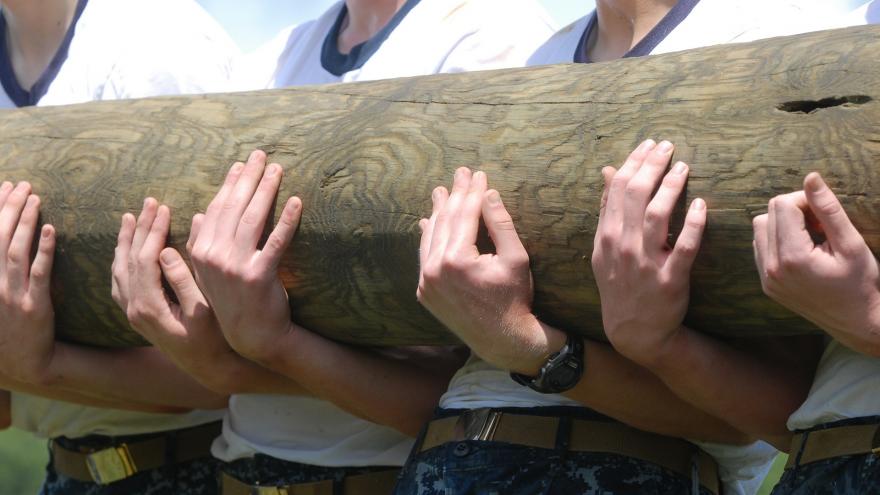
(496, 468)
(197, 477)
(852, 474)
(269, 471)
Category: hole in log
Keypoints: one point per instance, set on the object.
(810, 106)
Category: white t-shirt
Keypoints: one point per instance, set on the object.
(128, 49)
(845, 386)
(709, 22)
(436, 36)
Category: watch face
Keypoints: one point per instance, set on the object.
(565, 376)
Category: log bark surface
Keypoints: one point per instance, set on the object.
(750, 119)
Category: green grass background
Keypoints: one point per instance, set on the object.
(23, 458)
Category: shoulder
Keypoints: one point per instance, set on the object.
(158, 47)
(489, 34)
(560, 48)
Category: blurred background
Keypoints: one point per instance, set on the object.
(252, 23)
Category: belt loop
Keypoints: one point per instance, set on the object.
(171, 441)
(339, 486)
(563, 433)
(800, 452)
(875, 442)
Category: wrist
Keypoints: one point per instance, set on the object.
(667, 354)
(532, 345)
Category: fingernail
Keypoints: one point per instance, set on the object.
(166, 257)
(146, 202)
(494, 198)
(236, 167)
(648, 144)
(680, 168)
(698, 204)
(272, 170)
(815, 183)
(664, 147)
(45, 232)
(479, 174)
(435, 195)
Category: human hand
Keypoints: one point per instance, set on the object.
(187, 332)
(239, 279)
(485, 299)
(644, 283)
(27, 334)
(832, 283)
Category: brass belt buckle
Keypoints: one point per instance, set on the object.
(477, 424)
(112, 464)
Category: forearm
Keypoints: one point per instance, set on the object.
(140, 375)
(61, 394)
(394, 392)
(620, 388)
(751, 390)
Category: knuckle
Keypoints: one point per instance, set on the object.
(653, 215)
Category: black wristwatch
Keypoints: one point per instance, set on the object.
(561, 372)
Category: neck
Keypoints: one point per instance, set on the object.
(35, 31)
(622, 24)
(365, 18)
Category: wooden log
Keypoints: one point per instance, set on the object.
(751, 120)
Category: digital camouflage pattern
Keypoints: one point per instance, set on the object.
(496, 468)
(197, 477)
(269, 471)
(859, 474)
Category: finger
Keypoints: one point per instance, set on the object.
(793, 241)
(282, 234)
(607, 177)
(759, 244)
(119, 270)
(839, 230)
(447, 214)
(215, 208)
(157, 237)
(18, 259)
(617, 191)
(438, 199)
(424, 241)
(688, 244)
(5, 189)
(771, 258)
(41, 270)
(659, 211)
(253, 221)
(147, 278)
(639, 190)
(499, 223)
(182, 282)
(194, 229)
(240, 197)
(9, 216)
(466, 225)
(142, 228)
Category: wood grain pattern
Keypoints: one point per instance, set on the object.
(751, 120)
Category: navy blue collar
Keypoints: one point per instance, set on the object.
(644, 47)
(21, 96)
(337, 63)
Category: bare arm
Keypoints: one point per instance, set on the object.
(486, 300)
(187, 333)
(57, 393)
(644, 285)
(241, 282)
(832, 282)
(28, 351)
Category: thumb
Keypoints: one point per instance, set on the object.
(839, 230)
(181, 280)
